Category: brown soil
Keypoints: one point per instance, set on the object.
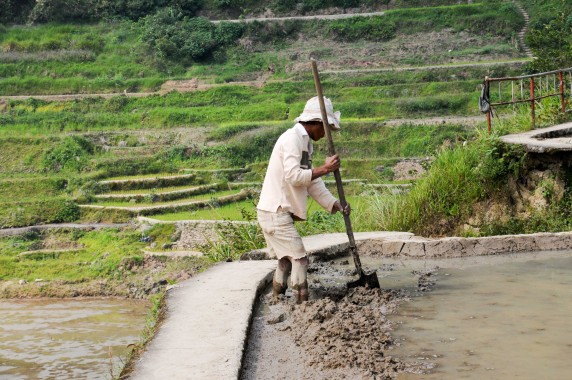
(339, 336)
(408, 170)
(403, 52)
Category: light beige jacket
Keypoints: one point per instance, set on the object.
(288, 180)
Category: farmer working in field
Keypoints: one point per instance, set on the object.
(289, 180)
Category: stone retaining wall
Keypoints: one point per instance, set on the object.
(449, 247)
(195, 233)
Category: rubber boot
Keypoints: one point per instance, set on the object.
(300, 292)
(277, 288)
(299, 279)
(279, 282)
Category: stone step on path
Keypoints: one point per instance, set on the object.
(522, 32)
(170, 206)
(168, 195)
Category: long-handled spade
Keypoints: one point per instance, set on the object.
(370, 280)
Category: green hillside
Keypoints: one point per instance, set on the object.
(155, 88)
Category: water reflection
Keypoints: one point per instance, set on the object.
(67, 339)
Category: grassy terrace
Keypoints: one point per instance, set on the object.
(110, 57)
(144, 202)
(59, 152)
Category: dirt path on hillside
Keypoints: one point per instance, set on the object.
(4, 232)
(466, 120)
(431, 67)
(338, 16)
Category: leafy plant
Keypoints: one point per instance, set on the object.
(320, 222)
(70, 154)
(234, 239)
(439, 202)
(171, 36)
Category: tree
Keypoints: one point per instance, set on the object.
(174, 37)
(551, 42)
(62, 10)
(15, 11)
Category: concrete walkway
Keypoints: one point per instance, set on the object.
(205, 328)
(557, 138)
(207, 318)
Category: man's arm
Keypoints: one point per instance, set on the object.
(331, 164)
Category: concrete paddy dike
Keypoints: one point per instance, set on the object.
(207, 318)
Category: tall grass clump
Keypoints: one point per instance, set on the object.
(440, 202)
(235, 239)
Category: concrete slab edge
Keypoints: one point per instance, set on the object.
(262, 284)
(454, 247)
(403, 245)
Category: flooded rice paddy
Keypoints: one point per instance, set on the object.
(488, 317)
(494, 318)
(67, 339)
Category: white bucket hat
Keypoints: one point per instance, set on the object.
(312, 112)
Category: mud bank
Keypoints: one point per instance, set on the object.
(342, 335)
(153, 276)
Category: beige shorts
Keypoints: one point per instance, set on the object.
(281, 237)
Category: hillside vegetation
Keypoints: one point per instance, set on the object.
(158, 90)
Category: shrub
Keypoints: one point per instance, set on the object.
(55, 210)
(173, 37)
(62, 10)
(15, 11)
(266, 32)
(116, 103)
(551, 43)
(70, 154)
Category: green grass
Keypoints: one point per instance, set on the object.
(153, 190)
(194, 198)
(441, 202)
(100, 257)
(481, 18)
(233, 211)
(41, 60)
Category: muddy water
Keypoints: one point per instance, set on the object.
(67, 339)
(491, 318)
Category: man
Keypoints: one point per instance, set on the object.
(289, 180)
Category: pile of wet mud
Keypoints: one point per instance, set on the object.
(352, 332)
(343, 334)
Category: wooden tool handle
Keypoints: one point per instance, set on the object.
(337, 176)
